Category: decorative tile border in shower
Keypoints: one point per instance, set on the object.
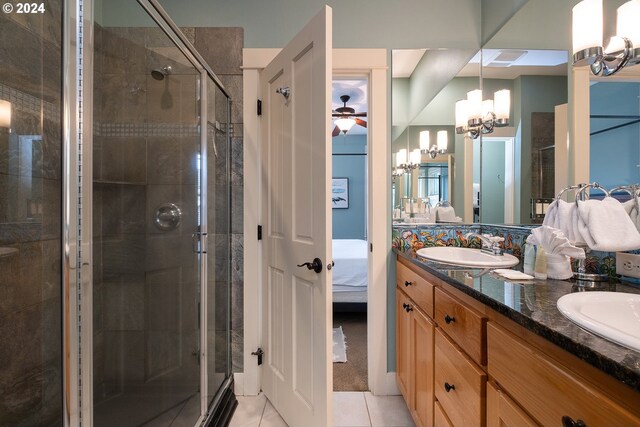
(175, 130)
(407, 237)
(30, 104)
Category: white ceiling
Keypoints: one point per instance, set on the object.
(497, 63)
(357, 90)
(404, 61)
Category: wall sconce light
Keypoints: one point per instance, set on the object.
(345, 124)
(587, 28)
(5, 114)
(410, 163)
(475, 116)
(439, 148)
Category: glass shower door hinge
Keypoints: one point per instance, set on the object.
(199, 242)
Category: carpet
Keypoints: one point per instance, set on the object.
(339, 346)
(352, 375)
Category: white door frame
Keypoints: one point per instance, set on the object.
(372, 64)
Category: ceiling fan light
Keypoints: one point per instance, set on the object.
(345, 124)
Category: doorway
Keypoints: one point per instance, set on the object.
(371, 63)
(349, 236)
(494, 179)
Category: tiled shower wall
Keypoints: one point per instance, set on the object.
(221, 48)
(30, 219)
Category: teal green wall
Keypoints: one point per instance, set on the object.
(492, 189)
(533, 94)
(351, 223)
(615, 155)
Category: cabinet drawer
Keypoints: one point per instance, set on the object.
(440, 418)
(545, 389)
(464, 325)
(459, 384)
(417, 288)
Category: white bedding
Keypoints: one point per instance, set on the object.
(350, 269)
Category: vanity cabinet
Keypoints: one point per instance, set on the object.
(550, 392)
(504, 412)
(467, 365)
(415, 346)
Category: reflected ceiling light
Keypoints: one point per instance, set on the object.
(475, 116)
(345, 124)
(587, 29)
(439, 148)
(408, 160)
(5, 114)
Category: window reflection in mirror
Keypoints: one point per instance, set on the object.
(615, 132)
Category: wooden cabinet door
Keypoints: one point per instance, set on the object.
(422, 359)
(504, 412)
(403, 346)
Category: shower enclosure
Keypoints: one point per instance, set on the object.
(114, 222)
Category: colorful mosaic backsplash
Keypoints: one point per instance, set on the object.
(411, 237)
(408, 237)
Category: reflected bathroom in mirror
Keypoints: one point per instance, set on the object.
(514, 165)
(425, 86)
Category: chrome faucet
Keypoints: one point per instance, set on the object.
(490, 244)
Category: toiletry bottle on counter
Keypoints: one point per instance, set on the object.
(541, 264)
(529, 259)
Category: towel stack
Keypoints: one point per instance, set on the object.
(447, 214)
(558, 251)
(603, 225)
(631, 207)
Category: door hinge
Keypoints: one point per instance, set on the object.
(259, 232)
(258, 353)
(259, 107)
(370, 247)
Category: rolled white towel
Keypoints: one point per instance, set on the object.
(559, 267)
(606, 226)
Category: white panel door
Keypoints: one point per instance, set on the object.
(296, 215)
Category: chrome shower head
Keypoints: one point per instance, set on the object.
(161, 73)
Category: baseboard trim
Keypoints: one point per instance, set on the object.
(389, 386)
(238, 384)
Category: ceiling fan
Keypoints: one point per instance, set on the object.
(346, 113)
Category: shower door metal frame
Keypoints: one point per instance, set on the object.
(77, 193)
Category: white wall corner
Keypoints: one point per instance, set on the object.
(238, 384)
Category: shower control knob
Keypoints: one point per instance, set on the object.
(167, 217)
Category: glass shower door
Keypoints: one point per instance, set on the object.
(146, 342)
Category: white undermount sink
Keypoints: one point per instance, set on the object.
(612, 315)
(467, 257)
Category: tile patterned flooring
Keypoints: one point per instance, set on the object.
(350, 409)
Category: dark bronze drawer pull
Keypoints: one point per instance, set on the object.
(448, 387)
(448, 319)
(408, 308)
(567, 421)
(408, 283)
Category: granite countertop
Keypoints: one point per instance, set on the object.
(533, 305)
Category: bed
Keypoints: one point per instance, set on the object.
(350, 257)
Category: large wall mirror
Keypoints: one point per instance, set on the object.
(426, 84)
(533, 45)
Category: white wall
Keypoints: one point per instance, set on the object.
(356, 23)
